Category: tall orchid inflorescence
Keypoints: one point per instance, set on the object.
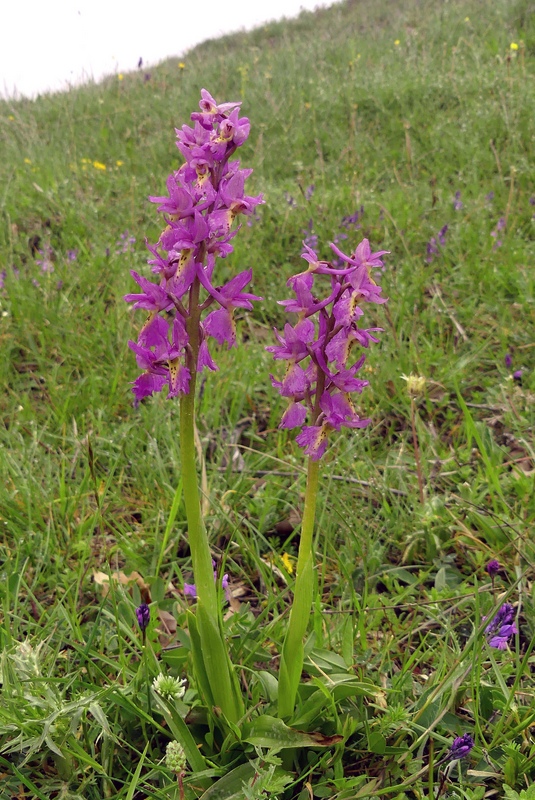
(319, 377)
(319, 380)
(186, 307)
(204, 198)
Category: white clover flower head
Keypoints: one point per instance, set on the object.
(169, 687)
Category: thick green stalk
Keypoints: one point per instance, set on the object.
(211, 649)
(197, 536)
(292, 656)
(198, 539)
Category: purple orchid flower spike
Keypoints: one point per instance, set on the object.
(318, 381)
(204, 198)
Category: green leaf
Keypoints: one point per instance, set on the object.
(310, 709)
(343, 685)
(137, 773)
(376, 742)
(318, 662)
(198, 660)
(266, 731)
(230, 786)
(218, 669)
(270, 685)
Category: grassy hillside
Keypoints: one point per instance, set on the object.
(417, 115)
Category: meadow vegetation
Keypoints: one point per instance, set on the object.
(410, 124)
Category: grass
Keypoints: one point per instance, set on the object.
(395, 109)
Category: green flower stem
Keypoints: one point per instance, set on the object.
(292, 656)
(198, 538)
(211, 651)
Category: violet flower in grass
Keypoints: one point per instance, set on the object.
(187, 309)
(493, 567)
(461, 747)
(143, 619)
(143, 616)
(501, 627)
(321, 375)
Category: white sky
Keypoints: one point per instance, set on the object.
(50, 44)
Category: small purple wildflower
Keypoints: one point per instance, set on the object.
(508, 360)
(72, 255)
(457, 202)
(493, 567)
(501, 627)
(435, 243)
(517, 376)
(500, 226)
(125, 243)
(532, 200)
(46, 261)
(461, 747)
(143, 616)
(489, 197)
(290, 200)
(190, 590)
(309, 191)
(3, 275)
(351, 222)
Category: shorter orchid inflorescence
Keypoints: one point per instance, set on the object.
(318, 384)
(319, 377)
(204, 198)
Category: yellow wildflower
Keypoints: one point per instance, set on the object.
(120, 76)
(11, 118)
(98, 165)
(27, 161)
(396, 42)
(181, 65)
(308, 106)
(119, 163)
(288, 562)
(467, 19)
(513, 46)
